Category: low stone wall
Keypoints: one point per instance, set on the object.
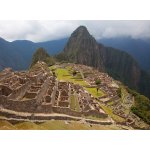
(3, 97)
(44, 108)
(37, 118)
(66, 111)
(23, 106)
(19, 91)
(113, 99)
(95, 113)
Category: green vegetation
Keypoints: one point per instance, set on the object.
(42, 55)
(119, 92)
(112, 115)
(141, 106)
(93, 91)
(5, 125)
(96, 118)
(54, 125)
(74, 103)
(65, 75)
(98, 82)
(74, 72)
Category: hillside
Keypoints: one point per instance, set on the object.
(18, 54)
(82, 48)
(24, 49)
(138, 48)
(42, 55)
(9, 56)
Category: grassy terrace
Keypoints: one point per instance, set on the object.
(74, 103)
(110, 112)
(63, 74)
(54, 125)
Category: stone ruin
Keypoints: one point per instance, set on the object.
(38, 91)
(108, 85)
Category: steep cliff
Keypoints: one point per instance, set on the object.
(82, 48)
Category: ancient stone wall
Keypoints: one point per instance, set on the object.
(22, 106)
(44, 108)
(95, 113)
(25, 106)
(19, 91)
(66, 111)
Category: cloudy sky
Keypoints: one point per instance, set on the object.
(51, 30)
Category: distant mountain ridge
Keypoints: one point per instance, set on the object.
(21, 51)
(18, 54)
(138, 48)
(82, 48)
(85, 50)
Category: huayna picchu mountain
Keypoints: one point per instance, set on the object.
(82, 48)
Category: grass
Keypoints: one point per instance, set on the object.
(54, 125)
(64, 75)
(28, 126)
(112, 115)
(74, 103)
(52, 67)
(5, 125)
(93, 91)
(110, 103)
(124, 94)
(95, 118)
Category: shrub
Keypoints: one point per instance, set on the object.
(98, 82)
(119, 92)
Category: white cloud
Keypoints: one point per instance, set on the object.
(51, 30)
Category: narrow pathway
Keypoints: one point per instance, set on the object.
(41, 117)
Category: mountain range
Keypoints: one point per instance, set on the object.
(18, 54)
(82, 48)
(138, 48)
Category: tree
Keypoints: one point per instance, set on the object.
(97, 82)
(74, 72)
(119, 92)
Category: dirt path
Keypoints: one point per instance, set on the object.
(41, 117)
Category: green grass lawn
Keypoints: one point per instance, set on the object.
(93, 91)
(74, 102)
(96, 118)
(112, 115)
(64, 75)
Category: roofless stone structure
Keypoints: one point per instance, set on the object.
(38, 91)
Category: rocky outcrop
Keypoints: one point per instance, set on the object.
(82, 48)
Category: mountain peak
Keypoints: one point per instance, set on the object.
(2, 40)
(81, 31)
(82, 28)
